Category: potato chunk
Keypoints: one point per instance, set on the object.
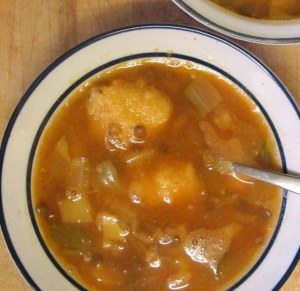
(110, 227)
(170, 182)
(76, 210)
(116, 110)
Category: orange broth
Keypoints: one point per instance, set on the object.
(263, 9)
(129, 185)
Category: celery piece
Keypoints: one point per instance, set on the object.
(203, 95)
(79, 175)
(105, 175)
(71, 237)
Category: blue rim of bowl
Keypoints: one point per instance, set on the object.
(56, 63)
(247, 37)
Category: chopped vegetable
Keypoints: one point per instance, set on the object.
(203, 95)
(62, 149)
(77, 210)
(79, 175)
(126, 212)
(235, 151)
(143, 232)
(265, 155)
(223, 118)
(143, 237)
(59, 161)
(139, 247)
(71, 237)
(211, 136)
(111, 230)
(209, 246)
(105, 175)
(223, 266)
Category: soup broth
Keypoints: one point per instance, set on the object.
(263, 9)
(131, 184)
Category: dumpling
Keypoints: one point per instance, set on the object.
(168, 183)
(125, 112)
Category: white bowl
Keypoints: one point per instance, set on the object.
(241, 27)
(37, 105)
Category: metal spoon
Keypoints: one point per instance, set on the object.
(285, 181)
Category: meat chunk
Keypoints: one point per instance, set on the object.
(116, 111)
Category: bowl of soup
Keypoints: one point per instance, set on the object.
(261, 21)
(114, 167)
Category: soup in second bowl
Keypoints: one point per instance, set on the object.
(131, 187)
(263, 9)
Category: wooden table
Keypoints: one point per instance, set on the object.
(33, 33)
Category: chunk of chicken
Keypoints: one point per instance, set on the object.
(118, 109)
(171, 182)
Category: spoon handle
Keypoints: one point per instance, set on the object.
(288, 182)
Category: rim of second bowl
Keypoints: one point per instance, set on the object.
(246, 28)
(78, 48)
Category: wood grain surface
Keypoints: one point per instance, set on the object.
(33, 33)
